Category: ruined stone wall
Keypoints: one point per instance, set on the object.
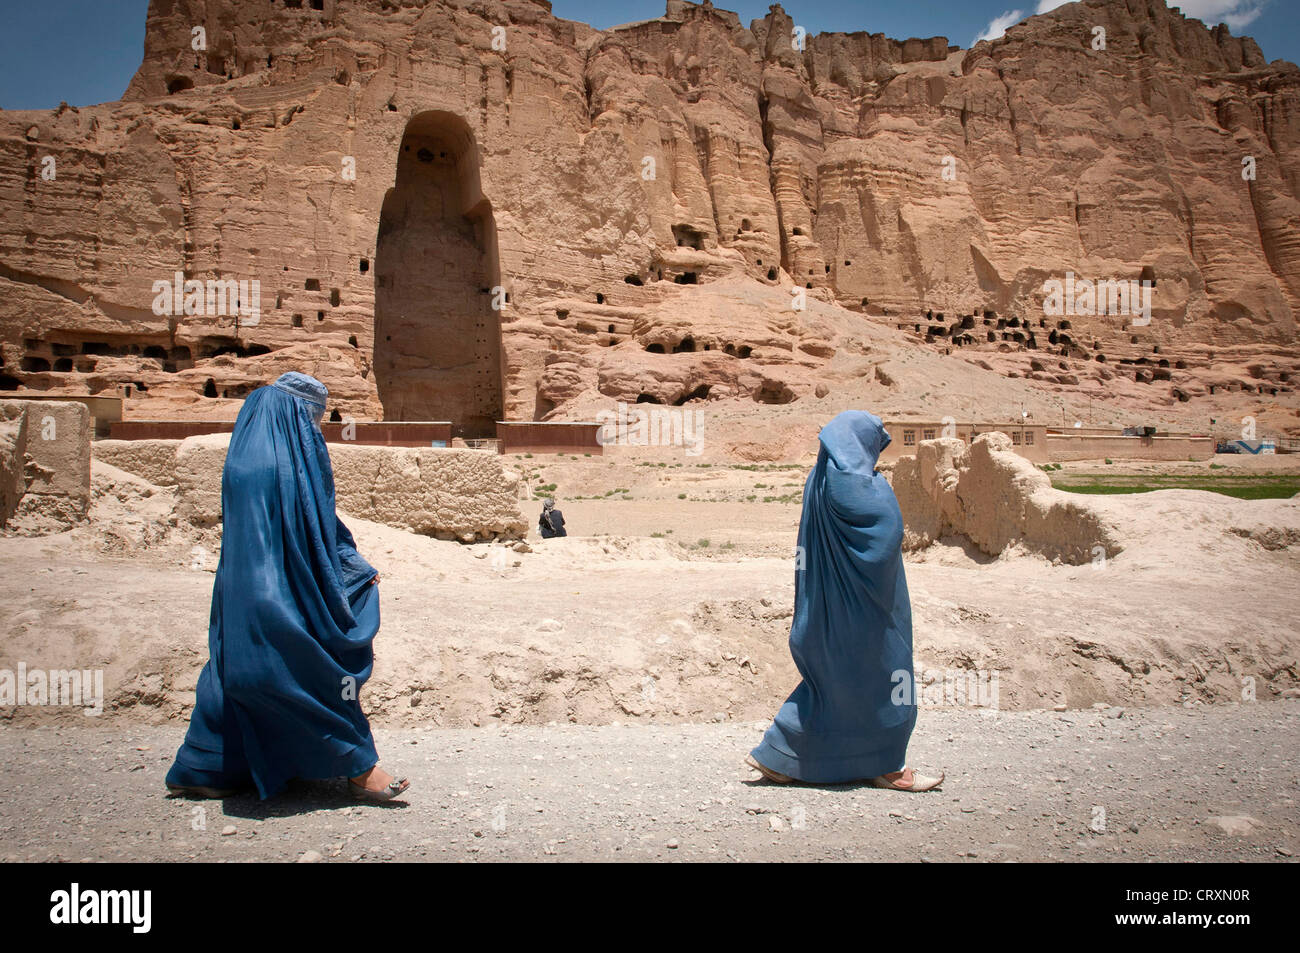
(466, 495)
(995, 498)
(600, 177)
(44, 466)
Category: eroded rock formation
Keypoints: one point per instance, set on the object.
(462, 210)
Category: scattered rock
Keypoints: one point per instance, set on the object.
(1238, 825)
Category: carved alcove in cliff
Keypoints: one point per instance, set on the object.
(437, 336)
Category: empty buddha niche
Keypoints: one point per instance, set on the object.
(437, 334)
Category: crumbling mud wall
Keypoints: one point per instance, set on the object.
(997, 499)
(44, 466)
(152, 460)
(465, 495)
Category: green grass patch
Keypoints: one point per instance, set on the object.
(1242, 487)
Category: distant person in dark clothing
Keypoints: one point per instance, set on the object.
(551, 522)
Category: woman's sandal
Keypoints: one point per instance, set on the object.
(917, 784)
(776, 777)
(394, 788)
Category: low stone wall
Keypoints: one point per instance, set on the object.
(445, 493)
(522, 436)
(152, 460)
(995, 498)
(377, 433)
(44, 466)
(1064, 447)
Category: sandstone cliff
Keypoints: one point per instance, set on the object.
(469, 210)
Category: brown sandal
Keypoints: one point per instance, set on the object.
(917, 783)
(776, 777)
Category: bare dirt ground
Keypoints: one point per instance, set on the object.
(593, 697)
(668, 610)
(1172, 784)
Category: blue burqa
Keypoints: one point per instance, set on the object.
(852, 715)
(293, 612)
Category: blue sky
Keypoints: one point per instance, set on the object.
(85, 51)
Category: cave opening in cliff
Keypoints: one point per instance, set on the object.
(699, 393)
(437, 277)
(687, 236)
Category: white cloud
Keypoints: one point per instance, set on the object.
(1235, 13)
(998, 25)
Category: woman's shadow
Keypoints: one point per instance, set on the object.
(301, 797)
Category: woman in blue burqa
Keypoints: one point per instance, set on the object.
(852, 715)
(294, 611)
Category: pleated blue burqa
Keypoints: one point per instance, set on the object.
(294, 612)
(852, 715)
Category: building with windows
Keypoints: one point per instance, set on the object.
(1027, 439)
(1042, 444)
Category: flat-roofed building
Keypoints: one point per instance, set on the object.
(1029, 440)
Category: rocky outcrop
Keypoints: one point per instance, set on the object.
(997, 499)
(438, 198)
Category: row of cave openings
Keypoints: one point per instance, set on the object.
(688, 236)
(686, 345)
(64, 357)
(81, 356)
(1017, 330)
(995, 329)
(770, 392)
(693, 238)
(1020, 331)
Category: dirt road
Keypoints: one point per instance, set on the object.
(1175, 784)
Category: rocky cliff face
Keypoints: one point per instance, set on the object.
(463, 210)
